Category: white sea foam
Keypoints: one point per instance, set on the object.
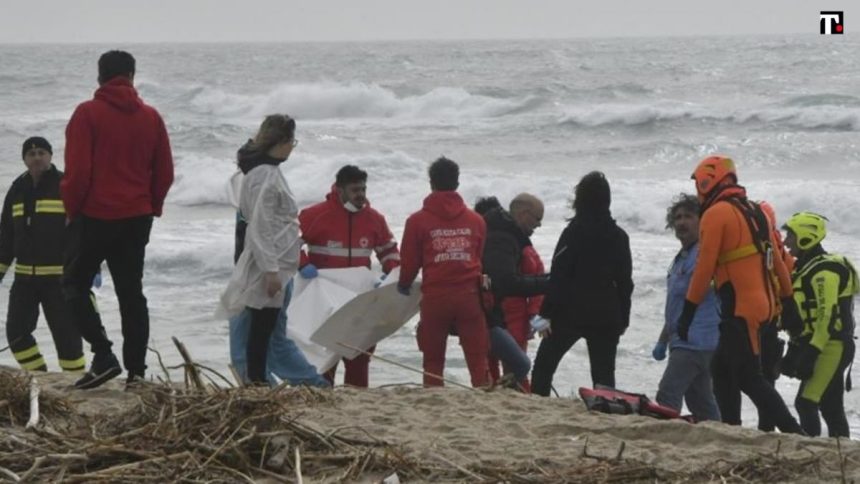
(813, 116)
(332, 100)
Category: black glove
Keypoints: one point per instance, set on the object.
(790, 319)
(686, 319)
(806, 361)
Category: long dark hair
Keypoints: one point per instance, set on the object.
(592, 195)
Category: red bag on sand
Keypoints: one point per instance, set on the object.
(612, 401)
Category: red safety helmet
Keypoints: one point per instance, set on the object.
(711, 172)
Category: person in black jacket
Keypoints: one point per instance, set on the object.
(32, 233)
(506, 239)
(590, 288)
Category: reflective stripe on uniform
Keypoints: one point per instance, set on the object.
(339, 251)
(26, 354)
(23, 269)
(38, 270)
(4, 267)
(18, 210)
(394, 256)
(30, 359)
(49, 270)
(73, 365)
(38, 363)
(385, 246)
(735, 254)
(50, 206)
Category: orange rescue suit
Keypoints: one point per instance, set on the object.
(722, 229)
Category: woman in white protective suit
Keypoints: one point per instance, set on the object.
(271, 249)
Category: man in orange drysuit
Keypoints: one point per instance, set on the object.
(737, 251)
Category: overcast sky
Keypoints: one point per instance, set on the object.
(332, 20)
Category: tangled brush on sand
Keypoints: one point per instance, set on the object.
(167, 433)
(200, 432)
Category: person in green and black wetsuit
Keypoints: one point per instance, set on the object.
(822, 345)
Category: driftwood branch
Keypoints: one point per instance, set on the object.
(34, 404)
(191, 371)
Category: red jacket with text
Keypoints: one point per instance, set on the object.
(445, 240)
(337, 238)
(118, 159)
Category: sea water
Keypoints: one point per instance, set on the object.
(518, 116)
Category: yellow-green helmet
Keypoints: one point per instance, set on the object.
(809, 228)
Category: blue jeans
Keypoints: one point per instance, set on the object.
(505, 348)
(688, 377)
(283, 358)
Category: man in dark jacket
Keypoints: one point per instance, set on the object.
(507, 236)
(590, 287)
(32, 233)
(118, 170)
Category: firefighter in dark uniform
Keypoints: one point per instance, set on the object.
(32, 233)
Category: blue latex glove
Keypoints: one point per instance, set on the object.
(309, 271)
(404, 290)
(659, 351)
(380, 280)
(97, 280)
(538, 325)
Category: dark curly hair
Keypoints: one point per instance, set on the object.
(682, 201)
(485, 204)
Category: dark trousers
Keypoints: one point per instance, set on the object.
(262, 324)
(122, 243)
(602, 348)
(25, 297)
(772, 349)
(737, 369)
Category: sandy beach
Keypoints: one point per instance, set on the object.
(446, 434)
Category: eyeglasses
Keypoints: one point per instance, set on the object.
(534, 217)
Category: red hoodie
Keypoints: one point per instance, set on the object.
(118, 160)
(338, 238)
(445, 239)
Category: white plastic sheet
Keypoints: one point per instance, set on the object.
(342, 306)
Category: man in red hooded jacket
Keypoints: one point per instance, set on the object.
(344, 231)
(118, 170)
(445, 240)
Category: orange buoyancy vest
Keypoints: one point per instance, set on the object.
(749, 279)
